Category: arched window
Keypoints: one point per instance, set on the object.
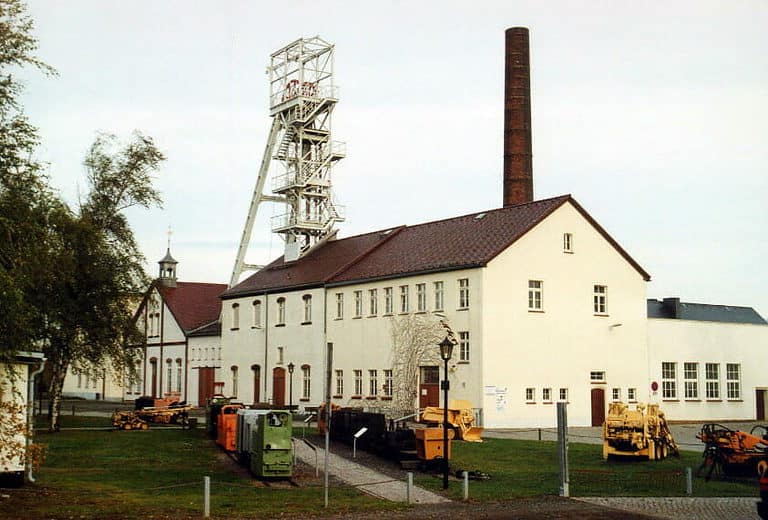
(257, 313)
(178, 375)
(307, 308)
(235, 316)
(256, 382)
(280, 311)
(169, 370)
(305, 381)
(234, 381)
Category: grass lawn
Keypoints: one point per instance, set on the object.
(529, 468)
(158, 473)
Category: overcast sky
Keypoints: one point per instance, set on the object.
(653, 115)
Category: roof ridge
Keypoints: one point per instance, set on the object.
(392, 232)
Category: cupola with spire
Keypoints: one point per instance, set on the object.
(167, 275)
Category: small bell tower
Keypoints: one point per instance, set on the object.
(167, 273)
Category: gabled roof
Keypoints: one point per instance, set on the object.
(456, 243)
(673, 308)
(193, 304)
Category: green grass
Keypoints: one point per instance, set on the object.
(530, 468)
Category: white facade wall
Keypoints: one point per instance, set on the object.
(561, 345)
(701, 342)
(167, 346)
(204, 352)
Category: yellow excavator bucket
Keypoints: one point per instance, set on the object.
(460, 416)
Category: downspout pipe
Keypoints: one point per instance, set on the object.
(31, 415)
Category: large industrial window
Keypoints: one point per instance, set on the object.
(358, 304)
(373, 302)
(307, 298)
(339, 383)
(235, 316)
(339, 305)
(438, 296)
(388, 304)
(280, 311)
(257, 313)
(388, 383)
(358, 382)
(669, 380)
(464, 346)
(373, 383)
(691, 380)
(712, 372)
(733, 380)
(235, 382)
(600, 299)
(463, 293)
(404, 298)
(305, 381)
(421, 297)
(535, 295)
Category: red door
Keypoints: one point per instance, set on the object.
(760, 403)
(256, 382)
(278, 386)
(429, 389)
(205, 385)
(598, 406)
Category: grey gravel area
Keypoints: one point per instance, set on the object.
(682, 508)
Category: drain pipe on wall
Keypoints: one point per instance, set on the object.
(31, 415)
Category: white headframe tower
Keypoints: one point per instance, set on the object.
(302, 96)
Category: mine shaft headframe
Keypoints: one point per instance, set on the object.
(301, 68)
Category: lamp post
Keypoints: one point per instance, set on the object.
(291, 366)
(446, 349)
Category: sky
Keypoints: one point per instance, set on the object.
(653, 115)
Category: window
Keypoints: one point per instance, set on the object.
(169, 371)
(600, 299)
(464, 346)
(137, 387)
(563, 394)
(567, 243)
(546, 395)
(373, 383)
(178, 375)
(235, 316)
(438, 296)
(403, 298)
(373, 302)
(597, 376)
(421, 297)
(280, 311)
(530, 395)
(388, 383)
(388, 305)
(339, 305)
(235, 382)
(631, 395)
(280, 354)
(669, 380)
(339, 383)
(691, 380)
(358, 382)
(305, 381)
(358, 304)
(307, 298)
(712, 372)
(257, 313)
(733, 380)
(616, 394)
(463, 293)
(535, 295)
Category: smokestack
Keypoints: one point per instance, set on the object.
(518, 154)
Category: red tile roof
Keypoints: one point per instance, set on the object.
(193, 304)
(455, 243)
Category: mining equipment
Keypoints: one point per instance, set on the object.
(642, 432)
(460, 419)
(733, 452)
(140, 419)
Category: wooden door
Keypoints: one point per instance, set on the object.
(205, 382)
(278, 386)
(598, 406)
(429, 388)
(760, 404)
(256, 382)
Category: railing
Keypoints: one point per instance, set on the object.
(294, 90)
(318, 222)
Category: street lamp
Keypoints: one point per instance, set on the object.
(291, 366)
(446, 349)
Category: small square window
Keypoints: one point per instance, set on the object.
(563, 394)
(546, 395)
(530, 395)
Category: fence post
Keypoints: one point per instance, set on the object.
(562, 448)
(539, 434)
(688, 481)
(73, 410)
(465, 487)
(206, 497)
(409, 488)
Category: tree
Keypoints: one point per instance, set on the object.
(100, 266)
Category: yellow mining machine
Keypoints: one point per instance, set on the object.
(642, 432)
(460, 417)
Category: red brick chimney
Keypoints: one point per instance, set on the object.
(518, 155)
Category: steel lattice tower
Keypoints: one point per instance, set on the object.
(302, 97)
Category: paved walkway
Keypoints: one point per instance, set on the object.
(366, 479)
(682, 508)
